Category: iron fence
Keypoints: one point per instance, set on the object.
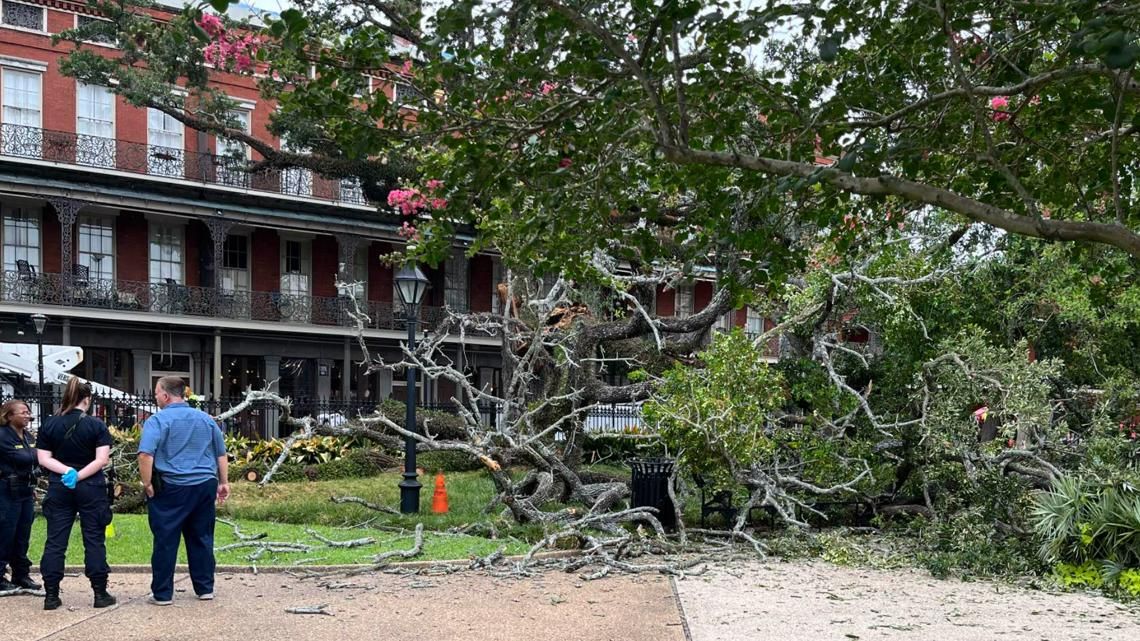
(259, 421)
(97, 152)
(175, 299)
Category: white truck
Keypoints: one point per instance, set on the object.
(20, 361)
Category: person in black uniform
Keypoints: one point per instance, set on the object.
(75, 448)
(17, 479)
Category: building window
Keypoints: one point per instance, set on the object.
(235, 263)
(351, 191)
(21, 114)
(97, 247)
(232, 155)
(296, 259)
(95, 126)
(455, 282)
(21, 238)
(165, 253)
(97, 35)
(165, 155)
(684, 306)
(356, 278)
(295, 181)
(405, 95)
(755, 324)
(497, 278)
(24, 16)
(168, 364)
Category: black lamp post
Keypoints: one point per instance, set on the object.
(40, 321)
(411, 284)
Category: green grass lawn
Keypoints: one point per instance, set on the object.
(285, 510)
(132, 543)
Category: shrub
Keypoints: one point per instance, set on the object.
(440, 424)
(1078, 521)
(447, 461)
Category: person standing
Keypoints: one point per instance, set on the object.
(74, 448)
(183, 468)
(17, 479)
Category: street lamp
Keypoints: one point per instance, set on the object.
(40, 321)
(411, 284)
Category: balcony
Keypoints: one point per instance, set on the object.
(174, 299)
(98, 154)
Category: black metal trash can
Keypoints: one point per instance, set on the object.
(650, 485)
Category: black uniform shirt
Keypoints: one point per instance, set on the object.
(17, 454)
(73, 442)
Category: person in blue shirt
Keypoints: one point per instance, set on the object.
(74, 448)
(183, 468)
(17, 478)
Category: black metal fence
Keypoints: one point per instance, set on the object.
(259, 421)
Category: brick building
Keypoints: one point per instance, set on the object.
(142, 246)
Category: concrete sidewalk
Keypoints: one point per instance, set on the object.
(554, 606)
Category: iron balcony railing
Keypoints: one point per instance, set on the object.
(98, 153)
(173, 299)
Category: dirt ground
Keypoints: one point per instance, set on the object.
(555, 606)
(778, 601)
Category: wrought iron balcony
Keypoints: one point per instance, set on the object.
(174, 299)
(95, 152)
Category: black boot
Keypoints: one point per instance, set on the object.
(27, 583)
(51, 601)
(102, 598)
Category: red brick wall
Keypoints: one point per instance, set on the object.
(741, 317)
(265, 252)
(379, 274)
(195, 246)
(702, 294)
(326, 258)
(51, 241)
(666, 301)
(131, 246)
(479, 283)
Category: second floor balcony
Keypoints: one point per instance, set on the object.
(171, 298)
(95, 153)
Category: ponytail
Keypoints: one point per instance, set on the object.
(74, 394)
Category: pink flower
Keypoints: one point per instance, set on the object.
(1035, 100)
(407, 231)
(981, 413)
(211, 24)
(547, 87)
(438, 203)
(407, 68)
(999, 102)
(1000, 116)
(434, 184)
(565, 163)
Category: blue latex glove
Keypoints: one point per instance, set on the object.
(70, 478)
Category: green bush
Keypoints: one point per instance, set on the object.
(440, 424)
(1081, 521)
(447, 461)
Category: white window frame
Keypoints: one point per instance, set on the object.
(43, 19)
(96, 252)
(100, 141)
(166, 261)
(236, 279)
(167, 168)
(6, 117)
(97, 43)
(297, 286)
(356, 278)
(21, 248)
(227, 175)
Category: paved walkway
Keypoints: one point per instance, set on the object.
(555, 606)
(768, 600)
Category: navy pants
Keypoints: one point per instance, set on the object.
(16, 513)
(182, 512)
(89, 501)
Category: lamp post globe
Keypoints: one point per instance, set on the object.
(411, 285)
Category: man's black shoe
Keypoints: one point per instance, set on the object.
(27, 583)
(6, 585)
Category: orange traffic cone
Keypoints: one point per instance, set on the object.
(439, 499)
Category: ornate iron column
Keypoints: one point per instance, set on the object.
(67, 210)
(219, 229)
